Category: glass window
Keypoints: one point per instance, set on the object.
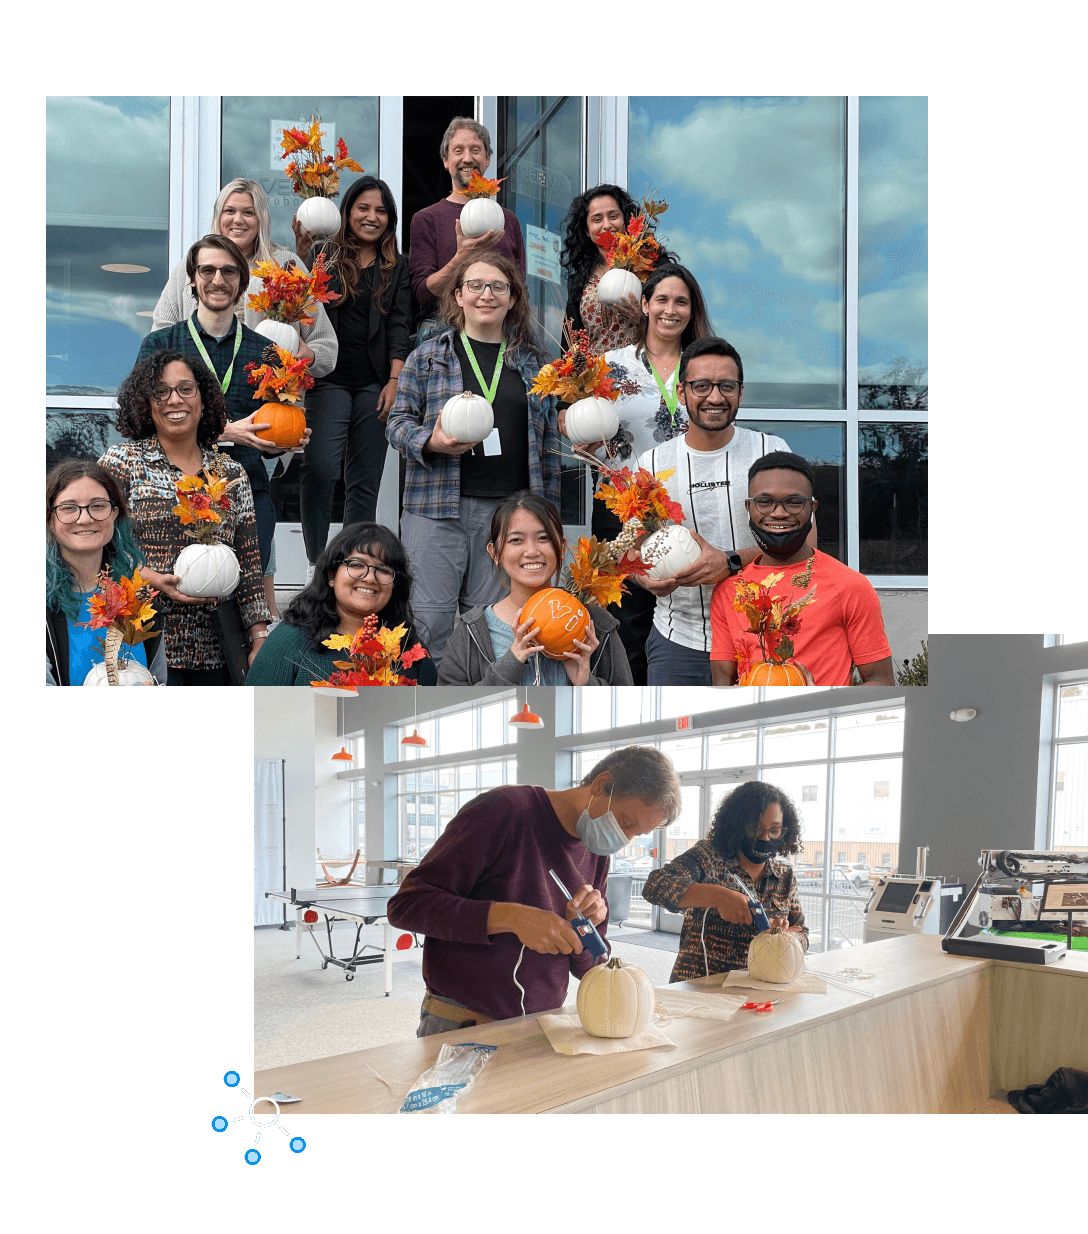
(493, 725)
(594, 710)
(824, 445)
(107, 192)
(686, 753)
(731, 749)
(871, 732)
(807, 789)
(692, 700)
(865, 816)
(893, 186)
(804, 740)
(253, 129)
(1073, 711)
(77, 434)
(761, 227)
(455, 732)
(1070, 826)
(490, 774)
(893, 498)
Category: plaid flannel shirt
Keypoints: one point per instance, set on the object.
(431, 376)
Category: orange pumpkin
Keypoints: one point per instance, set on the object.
(765, 673)
(286, 422)
(560, 619)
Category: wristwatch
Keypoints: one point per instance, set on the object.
(735, 562)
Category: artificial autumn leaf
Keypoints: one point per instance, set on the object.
(481, 186)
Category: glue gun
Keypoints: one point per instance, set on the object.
(759, 917)
(582, 926)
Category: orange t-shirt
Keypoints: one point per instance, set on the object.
(842, 626)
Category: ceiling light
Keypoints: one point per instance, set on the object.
(526, 717)
(342, 757)
(125, 267)
(414, 740)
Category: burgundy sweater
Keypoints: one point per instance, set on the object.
(500, 847)
(434, 242)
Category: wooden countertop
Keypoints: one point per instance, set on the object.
(526, 1076)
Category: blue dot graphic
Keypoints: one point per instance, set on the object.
(219, 1123)
(252, 1156)
(232, 1079)
(298, 1144)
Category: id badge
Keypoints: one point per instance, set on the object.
(491, 444)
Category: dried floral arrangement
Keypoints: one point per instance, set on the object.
(374, 657)
(313, 172)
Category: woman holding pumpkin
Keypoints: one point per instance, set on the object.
(490, 646)
(348, 408)
(753, 823)
(362, 571)
(172, 415)
(452, 487)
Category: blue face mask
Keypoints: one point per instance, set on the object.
(602, 836)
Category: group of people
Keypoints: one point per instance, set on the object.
(498, 939)
(480, 529)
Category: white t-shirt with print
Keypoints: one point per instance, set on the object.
(711, 486)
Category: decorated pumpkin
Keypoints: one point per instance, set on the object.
(767, 673)
(615, 1000)
(481, 215)
(286, 424)
(776, 955)
(319, 216)
(129, 673)
(560, 618)
(282, 334)
(210, 571)
(591, 419)
(615, 285)
(671, 549)
(467, 416)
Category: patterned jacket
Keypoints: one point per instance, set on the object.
(431, 376)
(726, 942)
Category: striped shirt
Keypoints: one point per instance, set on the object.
(431, 376)
(711, 486)
(147, 479)
(726, 941)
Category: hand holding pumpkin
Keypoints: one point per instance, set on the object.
(576, 662)
(468, 244)
(588, 903)
(440, 443)
(244, 432)
(525, 644)
(167, 584)
(708, 569)
(590, 447)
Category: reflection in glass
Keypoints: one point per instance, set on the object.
(77, 434)
(760, 225)
(893, 498)
(893, 239)
(107, 193)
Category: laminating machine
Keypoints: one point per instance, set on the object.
(1019, 895)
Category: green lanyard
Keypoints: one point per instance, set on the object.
(670, 403)
(489, 390)
(225, 382)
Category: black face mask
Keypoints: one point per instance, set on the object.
(780, 543)
(759, 851)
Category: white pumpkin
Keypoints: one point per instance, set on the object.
(280, 333)
(682, 551)
(468, 417)
(129, 673)
(481, 215)
(775, 955)
(319, 216)
(210, 571)
(615, 285)
(591, 419)
(615, 1000)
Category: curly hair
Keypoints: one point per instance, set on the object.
(314, 608)
(517, 328)
(642, 771)
(134, 398)
(743, 808)
(699, 325)
(579, 254)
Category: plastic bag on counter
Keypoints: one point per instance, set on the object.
(454, 1072)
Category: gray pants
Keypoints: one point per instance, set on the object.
(450, 568)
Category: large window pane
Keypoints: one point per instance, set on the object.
(1073, 711)
(824, 445)
(893, 258)
(253, 129)
(692, 700)
(760, 224)
(731, 749)
(803, 740)
(76, 433)
(107, 191)
(685, 752)
(455, 732)
(493, 725)
(893, 498)
(807, 789)
(1070, 829)
(594, 710)
(871, 732)
(865, 821)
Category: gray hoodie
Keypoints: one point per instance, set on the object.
(469, 658)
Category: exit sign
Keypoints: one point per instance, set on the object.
(683, 722)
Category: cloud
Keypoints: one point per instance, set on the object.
(895, 316)
(703, 252)
(893, 179)
(79, 306)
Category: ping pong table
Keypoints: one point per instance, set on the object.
(363, 905)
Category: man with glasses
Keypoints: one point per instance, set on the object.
(213, 336)
(709, 465)
(842, 627)
(436, 239)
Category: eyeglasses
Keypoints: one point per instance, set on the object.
(792, 505)
(184, 389)
(69, 511)
(360, 569)
(230, 273)
(476, 286)
(702, 388)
